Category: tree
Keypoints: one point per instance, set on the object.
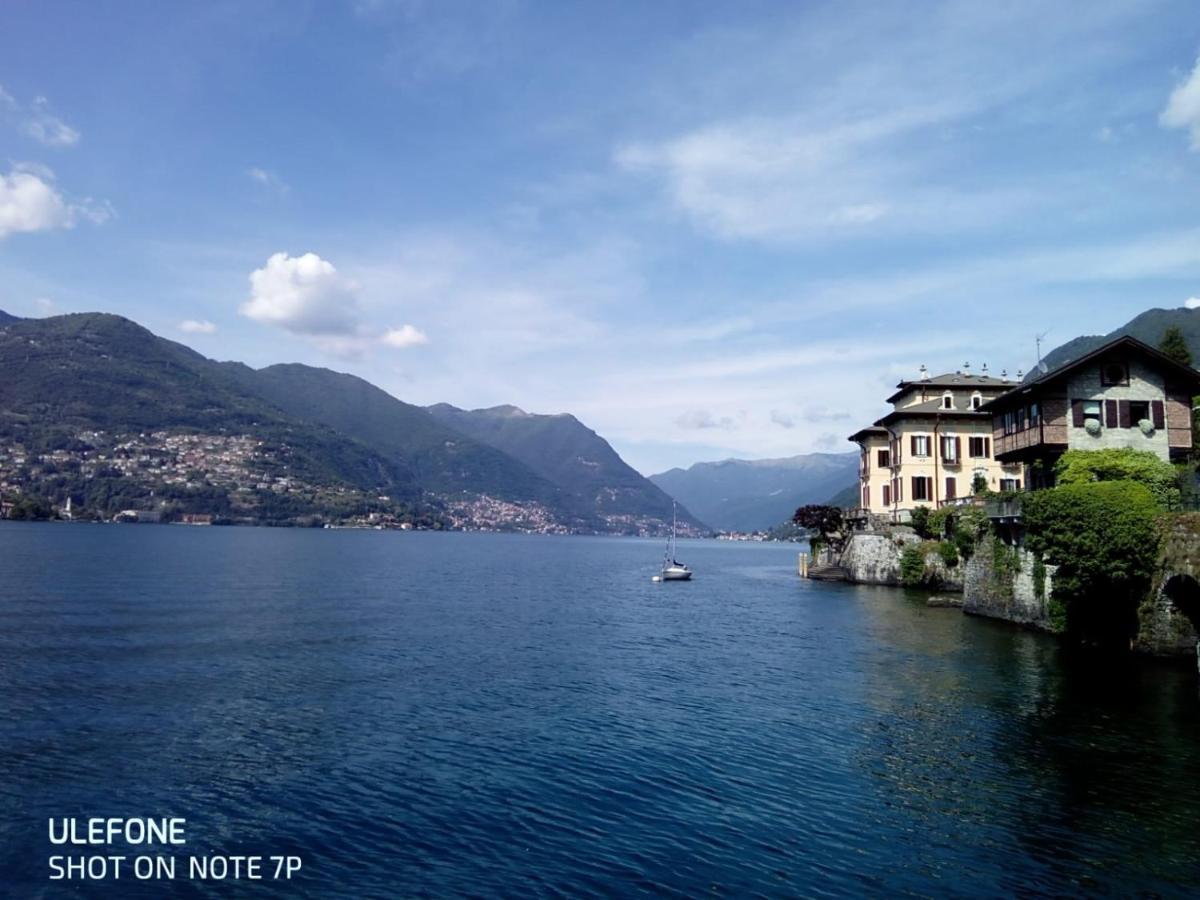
(1174, 345)
(1104, 538)
(825, 521)
(1121, 464)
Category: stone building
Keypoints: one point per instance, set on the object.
(1123, 394)
(933, 446)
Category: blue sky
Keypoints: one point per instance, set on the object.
(707, 229)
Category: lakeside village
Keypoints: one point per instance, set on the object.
(217, 479)
(1064, 501)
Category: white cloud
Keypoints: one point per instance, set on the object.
(30, 201)
(269, 179)
(46, 128)
(197, 326)
(1192, 303)
(304, 295)
(307, 296)
(699, 419)
(1183, 107)
(404, 336)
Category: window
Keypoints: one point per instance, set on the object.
(922, 488)
(1138, 410)
(1035, 415)
(1113, 373)
(947, 400)
(1010, 484)
(1083, 410)
(1010, 422)
(976, 400)
(1020, 419)
(978, 447)
(920, 445)
(866, 500)
(950, 447)
(951, 489)
(885, 459)
(887, 495)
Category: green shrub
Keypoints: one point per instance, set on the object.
(941, 522)
(1104, 539)
(948, 550)
(1120, 464)
(919, 520)
(912, 565)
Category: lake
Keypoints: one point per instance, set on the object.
(420, 714)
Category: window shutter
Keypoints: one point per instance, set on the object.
(957, 449)
(950, 489)
(987, 447)
(1077, 413)
(1110, 414)
(913, 444)
(1157, 414)
(1123, 413)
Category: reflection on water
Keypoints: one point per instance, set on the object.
(451, 714)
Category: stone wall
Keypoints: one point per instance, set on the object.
(874, 558)
(1167, 618)
(1001, 582)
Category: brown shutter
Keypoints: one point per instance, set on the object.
(1110, 414)
(987, 447)
(1157, 414)
(1077, 413)
(1123, 413)
(958, 449)
(950, 489)
(912, 442)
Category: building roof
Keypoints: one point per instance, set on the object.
(869, 431)
(1180, 372)
(952, 381)
(929, 409)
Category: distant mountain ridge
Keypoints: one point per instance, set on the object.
(754, 495)
(63, 374)
(1147, 327)
(563, 450)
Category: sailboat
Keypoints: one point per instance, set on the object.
(672, 569)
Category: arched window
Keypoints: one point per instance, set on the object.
(976, 400)
(947, 400)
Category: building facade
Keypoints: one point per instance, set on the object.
(1123, 394)
(934, 447)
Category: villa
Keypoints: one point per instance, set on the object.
(935, 446)
(1123, 394)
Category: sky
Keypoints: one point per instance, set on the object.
(707, 229)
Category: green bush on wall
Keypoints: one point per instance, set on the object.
(912, 565)
(1104, 539)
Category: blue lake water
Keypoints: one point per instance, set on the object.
(447, 714)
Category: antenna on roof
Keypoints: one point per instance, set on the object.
(1038, 340)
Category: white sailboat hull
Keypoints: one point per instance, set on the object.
(676, 573)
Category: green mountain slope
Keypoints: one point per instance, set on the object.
(569, 454)
(99, 371)
(1147, 327)
(441, 459)
(754, 495)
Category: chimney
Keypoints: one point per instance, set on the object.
(924, 372)
(1004, 374)
(967, 369)
(984, 371)
(1020, 375)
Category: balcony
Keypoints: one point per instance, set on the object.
(1004, 510)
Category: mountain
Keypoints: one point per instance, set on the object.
(440, 459)
(754, 495)
(1147, 327)
(92, 394)
(563, 450)
(99, 371)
